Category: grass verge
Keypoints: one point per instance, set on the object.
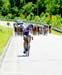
(5, 34)
(56, 33)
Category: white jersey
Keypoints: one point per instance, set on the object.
(30, 34)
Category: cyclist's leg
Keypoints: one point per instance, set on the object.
(25, 46)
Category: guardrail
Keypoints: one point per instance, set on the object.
(57, 29)
(28, 21)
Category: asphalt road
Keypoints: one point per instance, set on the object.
(45, 57)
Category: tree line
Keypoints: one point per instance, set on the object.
(38, 10)
(33, 7)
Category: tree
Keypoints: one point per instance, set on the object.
(5, 8)
(12, 3)
(40, 6)
(28, 8)
(60, 8)
(28, 1)
(1, 3)
(52, 6)
(33, 1)
(14, 10)
(21, 4)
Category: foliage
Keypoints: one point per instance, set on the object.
(52, 6)
(33, 9)
(5, 8)
(32, 6)
(1, 3)
(28, 8)
(37, 19)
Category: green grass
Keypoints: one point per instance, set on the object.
(56, 33)
(5, 34)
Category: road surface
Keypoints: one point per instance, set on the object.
(45, 57)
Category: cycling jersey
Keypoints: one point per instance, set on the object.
(26, 33)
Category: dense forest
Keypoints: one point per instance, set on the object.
(47, 11)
